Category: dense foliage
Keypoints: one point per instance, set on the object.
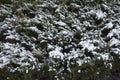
(59, 39)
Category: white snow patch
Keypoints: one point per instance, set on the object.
(88, 45)
(77, 27)
(10, 37)
(4, 11)
(58, 9)
(60, 23)
(7, 46)
(109, 25)
(36, 20)
(79, 71)
(15, 36)
(34, 29)
(4, 26)
(9, 53)
(100, 14)
(74, 54)
(50, 46)
(114, 41)
(86, 23)
(40, 17)
(105, 56)
(80, 62)
(114, 32)
(65, 33)
(56, 53)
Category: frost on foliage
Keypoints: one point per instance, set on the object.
(12, 35)
(114, 42)
(15, 53)
(109, 25)
(65, 31)
(98, 13)
(87, 45)
(60, 23)
(115, 33)
(56, 53)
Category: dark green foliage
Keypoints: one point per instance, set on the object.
(115, 63)
(78, 35)
(12, 40)
(2, 36)
(105, 32)
(35, 74)
(5, 1)
(28, 32)
(39, 26)
(96, 70)
(5, 74)
(13, 65)
(43, 45)
(27, 47)
(88, 53)
(28, 13)
(39, 57)
(2, 17)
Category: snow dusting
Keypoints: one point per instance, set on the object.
(58, 32)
